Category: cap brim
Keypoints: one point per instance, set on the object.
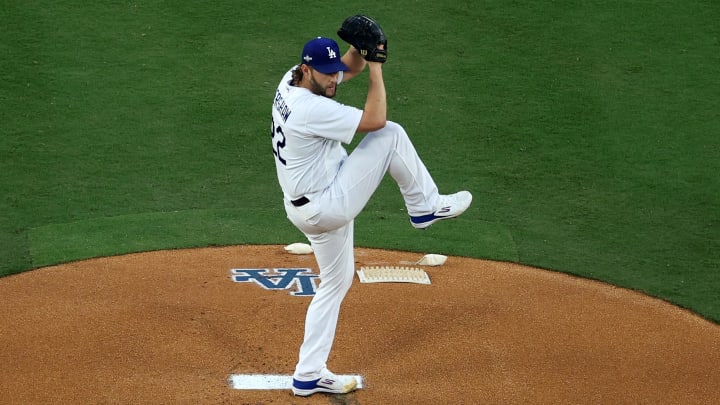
(331, 68)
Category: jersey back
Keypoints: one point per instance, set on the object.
(307, 132)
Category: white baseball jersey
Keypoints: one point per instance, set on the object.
(307, 134)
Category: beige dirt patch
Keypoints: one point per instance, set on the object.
(171, 327)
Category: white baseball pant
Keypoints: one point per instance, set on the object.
(327, 222)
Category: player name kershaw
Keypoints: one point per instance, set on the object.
(281, 107)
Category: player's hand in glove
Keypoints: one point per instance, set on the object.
(366, 35)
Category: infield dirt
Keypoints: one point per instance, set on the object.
(171, 327)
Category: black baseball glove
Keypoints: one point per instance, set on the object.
(365, 34)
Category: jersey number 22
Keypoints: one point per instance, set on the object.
(277, 132)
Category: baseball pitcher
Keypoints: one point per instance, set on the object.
(324, 188)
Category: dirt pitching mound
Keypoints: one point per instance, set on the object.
(172, 326)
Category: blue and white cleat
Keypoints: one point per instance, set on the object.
(449, 206)
(328, 382)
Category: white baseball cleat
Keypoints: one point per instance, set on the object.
(449, 206)
(328, 382)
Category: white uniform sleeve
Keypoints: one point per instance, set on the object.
(333, 120)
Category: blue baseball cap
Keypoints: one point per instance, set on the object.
(323, 55)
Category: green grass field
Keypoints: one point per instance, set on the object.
(587, 131)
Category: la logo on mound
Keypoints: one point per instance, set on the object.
(303, 280)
